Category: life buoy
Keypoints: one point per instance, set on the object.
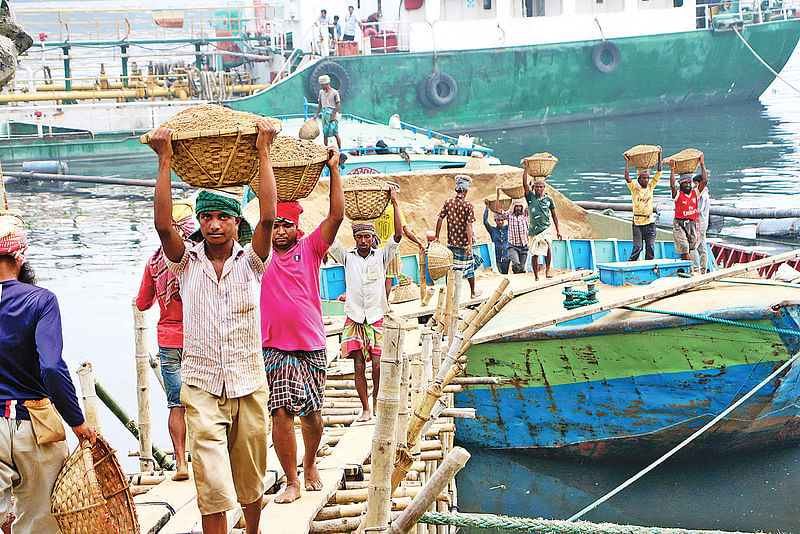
(340, 80)
(440, 89)
(604, 51)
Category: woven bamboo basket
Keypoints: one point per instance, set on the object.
(643, 157)
(540, 164)
(405, 290)
(503, 205)
(440, 260)
(686, 161)
(294, 180)
(513, 188)
(91, 493)
(215, 158)
(309, 130)
(365, 197)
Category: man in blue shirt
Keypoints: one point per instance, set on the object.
(31, 369)
(499, 235)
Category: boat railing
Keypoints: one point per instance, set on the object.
(722, 15)
(438, 150)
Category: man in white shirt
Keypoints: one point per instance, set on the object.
(351, 22)
(700, 254)
(366, 303)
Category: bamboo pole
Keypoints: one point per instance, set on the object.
(88, 394)
(499, 305)
(386, 410)
(455, 305)
(408, 518)
(436, 354)
(354, 510)
(423, 278)
(128, 422)
(437, 316)
(402, 414)
(143, 387)
(361, 495)
(334, 526)
(444, 324)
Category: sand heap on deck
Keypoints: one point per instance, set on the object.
(422, 194)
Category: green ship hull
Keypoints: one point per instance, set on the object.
(539, 84)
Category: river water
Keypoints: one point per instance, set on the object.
(89, 245)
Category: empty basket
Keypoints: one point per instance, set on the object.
(440, 260)
(540, 164)
(686, 161)
(91, 493)
(643, 157)
(405, 290)
(365, 197)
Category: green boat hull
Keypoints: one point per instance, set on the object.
(529, 85)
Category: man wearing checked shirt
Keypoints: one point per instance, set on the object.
(224, 383)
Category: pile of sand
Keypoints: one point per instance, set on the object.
(422, 194)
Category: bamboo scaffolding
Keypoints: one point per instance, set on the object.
(88, 393)
(455, 305)
(423, 279)
(143, 387)
(355, 510)
(345, 524)
(384, 437)
(402, 414)
(361, 495)
(444, 324)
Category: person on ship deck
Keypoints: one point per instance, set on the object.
(643, 224)
(684, 224)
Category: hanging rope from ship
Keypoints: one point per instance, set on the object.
(761, 60)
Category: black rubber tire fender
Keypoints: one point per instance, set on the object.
(340, 79)
(597, 57)
(422, 92)
(435, 83)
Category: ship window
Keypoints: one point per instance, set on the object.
(541, 8)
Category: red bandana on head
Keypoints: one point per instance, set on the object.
(291, 211)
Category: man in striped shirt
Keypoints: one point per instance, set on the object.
(518, 236)
(224, 384)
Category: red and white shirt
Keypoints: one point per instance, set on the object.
(221, 321)
(686, 205)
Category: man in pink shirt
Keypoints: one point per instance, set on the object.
(293, 335)
(159, 283)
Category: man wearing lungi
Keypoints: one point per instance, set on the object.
(460, 216)
(540, 231)
(293, 335)
(364, 271)
(224, 388)
(328, 107)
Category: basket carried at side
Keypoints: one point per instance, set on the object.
(92, 494)
(297, 165)
(643, 157)
(439, 260)
(540, 164)
(686, 161)
(365, 197)
(405, 290)
(214, 146)
(497, 206)
(309, 130)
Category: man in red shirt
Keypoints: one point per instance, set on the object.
(159, 283)
(684, 224)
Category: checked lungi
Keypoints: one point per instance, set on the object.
(296, 379)
(463, 261)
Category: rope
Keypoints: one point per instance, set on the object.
(547, 526)
(735, 29)
(783, 331)
(577, 298)
(688, 440)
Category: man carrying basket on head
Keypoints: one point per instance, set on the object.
(32, 372)
(684, 224)
(224, 385)
(293, 334)
(366, 302)
(541, 208)
(644, 225)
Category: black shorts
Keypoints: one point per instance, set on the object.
(348, 37)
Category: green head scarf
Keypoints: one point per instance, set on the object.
(210, 201)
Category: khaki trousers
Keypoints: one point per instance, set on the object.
(30, 471)
(228, 442)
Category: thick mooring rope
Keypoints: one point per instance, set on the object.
(576, 298)
(719, 320)
(759, 58)
(548, 526)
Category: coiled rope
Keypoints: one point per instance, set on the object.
(576, 298)
(548, 526)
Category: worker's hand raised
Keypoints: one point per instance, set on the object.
(84, 431)
(333, 158)
(266, 135)
(486, 201)
(702, 158)
(671, 162)
(161, 142)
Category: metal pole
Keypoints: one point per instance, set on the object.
(142, 387)
(88, 395)
(67, 72)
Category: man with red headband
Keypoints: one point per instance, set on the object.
(293, 335)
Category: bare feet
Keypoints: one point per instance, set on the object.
(477, 293)
(365, 415)
(311, 478)
(289, 494)
(181, 474)
(548, 275)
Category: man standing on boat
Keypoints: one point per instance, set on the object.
(644, 225)
(293, 335)
(351, 22)
(328, 107)
(224, 385)
(518, 236)
(384, 227)
(366, 303)
(32, 374)
(159, 283)
(499, 235)
(684, 224)
(460, 216)
(700, 253)
(541, 208)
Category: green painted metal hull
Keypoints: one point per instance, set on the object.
(518, 86)
(70, 148)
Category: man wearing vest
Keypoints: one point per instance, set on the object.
(684, 225)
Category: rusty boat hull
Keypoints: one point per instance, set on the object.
(635, 386)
